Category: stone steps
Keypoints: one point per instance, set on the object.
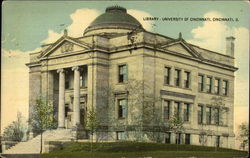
(33, 146)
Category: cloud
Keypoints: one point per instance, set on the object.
(52, 37)
(82, 18)
(138, 14)
(212, 34)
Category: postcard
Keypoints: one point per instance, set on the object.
(125, 78)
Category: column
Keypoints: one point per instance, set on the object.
(76, 101)
(212, 86)
(172, 76)
(204, 121)
(171, 108)
(205, 83)
(181, 111)
(61, 108)
(220, 86)
(191, 106)
(181, 78)
(172, 138)
(190, 80)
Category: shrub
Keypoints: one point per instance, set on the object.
(16, 130)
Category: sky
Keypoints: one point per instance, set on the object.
(27, 25)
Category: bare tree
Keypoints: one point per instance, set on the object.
(92, 125)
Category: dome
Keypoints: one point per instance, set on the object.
(114, 20)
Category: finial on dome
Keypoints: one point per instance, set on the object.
(116, 8)
(65, 33)
(180, 35)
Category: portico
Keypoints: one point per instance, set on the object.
(65, 96)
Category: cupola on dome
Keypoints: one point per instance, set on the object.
(114, 20)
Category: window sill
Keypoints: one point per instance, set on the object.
(83, 87)
(177, 87)
(213, 94)
(71, 89)
(122, 83)
(213, 125)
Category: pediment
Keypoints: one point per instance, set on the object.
(181, 48)
(64, 46)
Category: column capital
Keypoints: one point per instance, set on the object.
(75, 68)
(60, 70)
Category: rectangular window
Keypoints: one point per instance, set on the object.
(178, 138)
(168, 138)
(186, 111)
(209, 84)
(209, 115)
(120, 135)
(216, 86)
(186, 79)
(224, 87)
(217, 141)
(83, 78)
(200, 114)
(67, 84)
(217, 116)
(81, 81)
(66, 110)
(177, 109)
(177, 77)
(122, 108)
(201, 81)
(166, 110)
(123, 73)
(167, 75)
(187, 138)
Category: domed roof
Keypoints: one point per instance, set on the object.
(115, 17)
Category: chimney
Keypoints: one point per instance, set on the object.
(230, 46)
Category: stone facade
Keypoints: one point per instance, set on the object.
(135, 80)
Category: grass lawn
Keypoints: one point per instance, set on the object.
(141, 150)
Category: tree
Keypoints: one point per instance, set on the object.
(145, 121)
(176, 125)
(219, 108)
(92, 125)
(42, 117)
(243, 134)
(16, 130)
(142, 102)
